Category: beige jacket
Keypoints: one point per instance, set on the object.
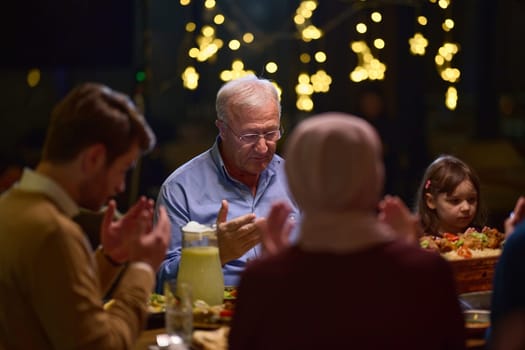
(52, 283)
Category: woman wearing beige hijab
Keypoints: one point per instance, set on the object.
(351, 280)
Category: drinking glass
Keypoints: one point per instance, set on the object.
(179, 312)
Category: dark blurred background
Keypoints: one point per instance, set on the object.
(142, 48)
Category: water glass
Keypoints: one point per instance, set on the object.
(179, 311)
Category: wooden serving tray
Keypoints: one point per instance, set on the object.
(474, 274)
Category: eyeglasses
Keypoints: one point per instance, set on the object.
(270, 136)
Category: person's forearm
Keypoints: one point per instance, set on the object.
(107, 271)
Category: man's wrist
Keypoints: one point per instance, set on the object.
(112, 261)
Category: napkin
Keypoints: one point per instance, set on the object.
(211, 340)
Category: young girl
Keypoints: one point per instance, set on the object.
(448, 199)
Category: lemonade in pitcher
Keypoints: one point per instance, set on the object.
(200, 264)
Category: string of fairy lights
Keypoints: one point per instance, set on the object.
(208, 45)
(445, 54)
(369, 65)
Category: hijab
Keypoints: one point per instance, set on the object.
(335, 172)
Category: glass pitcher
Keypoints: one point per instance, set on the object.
(200, 265)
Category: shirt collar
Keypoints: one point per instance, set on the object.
(216, 154)
(219, 162)
(32, 181)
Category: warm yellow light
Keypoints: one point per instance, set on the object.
(305, 58)
(218, 19)
(247, 38)
(237, 65)
(361, 28)
(418, 44)
(208, 47)
(208, 31)
(310, 4)
(185, 2)
(321, 81)
(33, 77)
(448, 50)
(320, 56)
(234, 45)
(193, 52)
(422, 20)
(379, 43)
(209, 4)
(207, 52)
(226, 75)
(298, 19)
(190, 27)
(443, 3)
(445, 74)
(452, 48)
(304, 89)
(450, 74)
(237, 71)
(358, 46)
(190, 78)
(456, 73)
(368, 66)
(304, 103)
(303, 78)
(451, 98)
(311, 33)
(202, 40)
(271, 67)
(306, 13)
(367, 56)
(358, 74)
(376, 16)
(449, 23)
(439, 60)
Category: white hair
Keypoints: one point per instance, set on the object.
(247, 92)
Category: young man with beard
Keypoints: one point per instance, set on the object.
(51, 282)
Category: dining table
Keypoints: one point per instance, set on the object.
(203, 339)
(214, 337)
(148, 338)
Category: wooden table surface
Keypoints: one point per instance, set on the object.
(148, 338)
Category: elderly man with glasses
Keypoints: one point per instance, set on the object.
(234, 183)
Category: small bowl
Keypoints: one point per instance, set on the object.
(477, 318)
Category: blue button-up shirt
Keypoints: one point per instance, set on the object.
(194, 191)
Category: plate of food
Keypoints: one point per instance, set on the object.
(473, 256)
(230, 293)
(204, 316)
(467, 245)
(210, 317)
